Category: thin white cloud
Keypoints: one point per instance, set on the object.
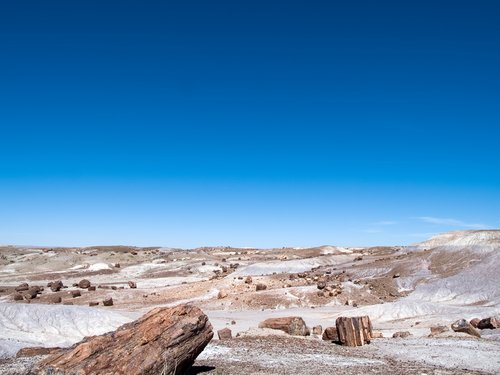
(385, 222)
(451, 222)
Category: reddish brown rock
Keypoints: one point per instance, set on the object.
(22, 287)
(354, 331)
(222, 294)
(293, 325)
(84, 284)
(317, 330)
(436, 330)
(91, 288)
(17, 297)
(164, 341)
(260, 287)
(36, 350)
(93, 303)
(56, 286)
(55, 299)
(132, 284)
(248, 280)
(75, 293)
(474, 322)
(330, 334)
(321, 285)
(224, 334)
(401, 335)
(108, 301)
(489, 323)
(463, 326)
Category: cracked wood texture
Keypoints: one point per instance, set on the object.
(354, 331)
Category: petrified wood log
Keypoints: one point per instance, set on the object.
(164, 341)
(293, 325)
(464, 326)
(354, 331)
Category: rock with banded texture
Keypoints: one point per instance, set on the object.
(293, 325)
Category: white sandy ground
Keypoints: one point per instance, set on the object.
(23, 325)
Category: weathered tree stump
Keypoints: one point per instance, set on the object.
(464, 326)
(354, 331)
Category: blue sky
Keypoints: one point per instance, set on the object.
(252, 123)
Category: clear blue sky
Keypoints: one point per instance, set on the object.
(247, 123)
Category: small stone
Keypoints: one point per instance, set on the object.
(55, 299)
(225, 334)
(75, 293)
(317, 330)
(84, 284)
(132, 284)
(93, 303)
(260, 287)
(330, 334)
(108, 301)
(401, 334)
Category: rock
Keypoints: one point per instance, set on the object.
(56, 286)
(84, 284)
(22, 287)
(463, 326)
(401, 334)
(91, 288)
(108, 301)
(164, 341)
(68, 303)
(248, 280)
(31, 293)
(55, 299)
(377, 335)
(222, 294)
(317, 330)
(396, 275)
(93, 303)
(260, 287)
(321, 285)
(489, 323)
(474, 322)
(224, 334)
(132, 284)
(330, 334)
(36, 350)
(436, 330)
(293, 325)
(75, 293)
(17, 297)
(117, 265)
(354, 331)
(233, 322)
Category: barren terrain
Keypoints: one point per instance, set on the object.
(449, 277)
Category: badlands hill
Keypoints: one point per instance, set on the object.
(448, 277)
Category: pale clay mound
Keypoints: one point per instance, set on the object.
(450, 276)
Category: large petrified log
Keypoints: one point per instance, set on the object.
(164, 341)
(293, 325)
(354, 331)
(464, 326)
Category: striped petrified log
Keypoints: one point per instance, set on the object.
(354, 331)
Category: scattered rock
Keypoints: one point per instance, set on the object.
(108, 301)
(132, 284)
(330, 334)
(293, 325)
(354, 331)
(224, 334)
(248, 280)
(55, 299)
(489, 323)
(233, 322)
(93, 303)
(401, 334)
(377, 335)
(396, 275)
(56, 286)
(75, 293)
(164, 341)
(463, 326)
(117, 265)
(17, 297)
(222, 294)
(436, 330)
(260, 287)
(321, 285)
(317, 330)
(84, 284)
(22, 287)
(474, 322)
(91, 288)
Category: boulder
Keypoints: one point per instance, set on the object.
(31, 293)
(401, 335)
(22, 287)
(436, 330)
(224, 334)
(108, 301)
(56, 286)
(164, 341)
(489, 323)
(317, 330)
(84, 284)
(464, 326)
(474, 322)
(75, 293)
(293, 325)
(330, 334)
(55, 299)
(132, 284)
(17, 296)
(260, 287)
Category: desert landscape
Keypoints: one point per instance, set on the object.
(54, 297)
